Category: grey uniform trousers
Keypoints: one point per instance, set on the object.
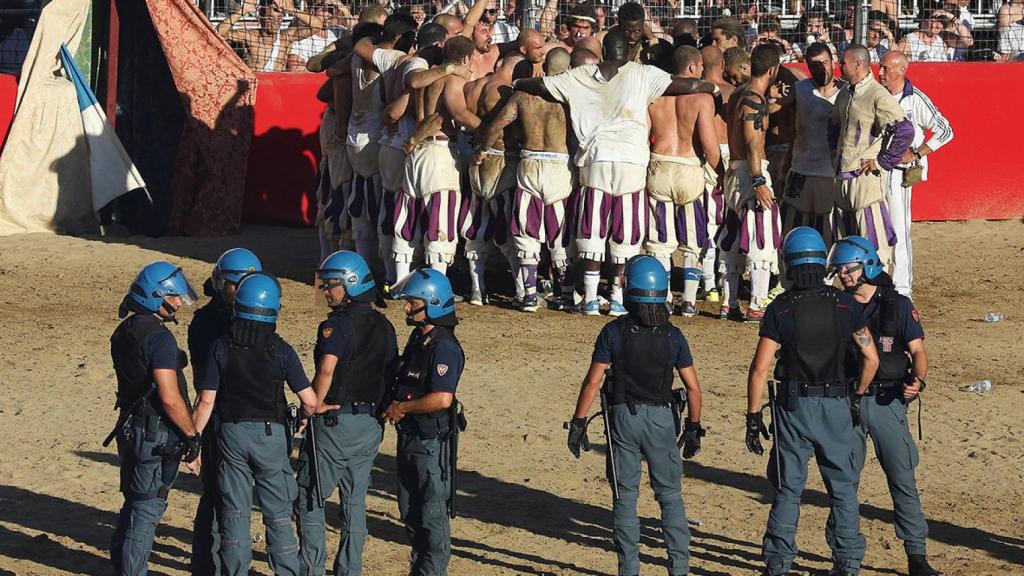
(649, 435)
(345, 452)
(823, 428)
(256, 452)
(423, 484)
(146, 480)
(884, 418)
(206, 525)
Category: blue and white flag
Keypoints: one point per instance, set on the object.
(111, 170)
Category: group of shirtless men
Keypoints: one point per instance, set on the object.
(434, 134)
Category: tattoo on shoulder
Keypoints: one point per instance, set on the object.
(862, 337)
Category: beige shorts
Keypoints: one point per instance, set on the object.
(431, 167)
(495, 175)
(738, 188)
(615, 178)
(675, 179)
(363, 157)
(391, 162)
(546, 175)
(855, 194)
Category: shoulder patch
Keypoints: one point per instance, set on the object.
(442, 369)
(326, 332)
(916, 315)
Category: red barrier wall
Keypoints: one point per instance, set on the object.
(280, 187)
(8, 95)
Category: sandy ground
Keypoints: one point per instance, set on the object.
(526, 506)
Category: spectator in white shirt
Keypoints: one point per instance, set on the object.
(1011, 42)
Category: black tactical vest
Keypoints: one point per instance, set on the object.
(817, 354)
(361, 375)
(414, 372)
(252, 384)
(134, 379)
(644, 365)
(886, 326)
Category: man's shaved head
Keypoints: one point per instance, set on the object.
(590, 43)
(373, 13)
(894, 58)
(451, 23)
(859, 54)
(556, 61)
(531, 44)
(892, 70)
(712, 57)
(582, 57)
(855, 63)
(683, 57)
(615, 46)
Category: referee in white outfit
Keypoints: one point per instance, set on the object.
(923, 114)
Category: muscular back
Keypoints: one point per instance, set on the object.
(543, 123)
(496, 93)
(674, 124)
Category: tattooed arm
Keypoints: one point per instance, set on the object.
(509, 113)
(754, 113)
(869, 365)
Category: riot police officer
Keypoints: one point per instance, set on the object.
(424, 411)
(903, 365)
(208, 324)
(809, 328)
(644, 352)
(154, 429)
(244, 383)
(355, 347)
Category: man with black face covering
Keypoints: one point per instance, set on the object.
(809, 195)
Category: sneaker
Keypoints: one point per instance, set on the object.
(917, 565)
(457, 298)
(774, 293)
(592, 308)
(686, 310)
(754, 315)
(616, 309)
(712, 296)
(728, 313)
(477, 299)
(545, 286)
(529, 303)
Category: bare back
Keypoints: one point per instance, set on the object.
(432, 104)
(496, 93)
(544, 124)
(747, 114)
(674, 125)
(721, 126)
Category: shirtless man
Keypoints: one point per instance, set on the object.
(608, 105)
(583, 57)
(714, 201)
(683, 131)
(428, 210)
(484, 220)
(544, 183)
(752, 234)
(267, 46)
(737, 66)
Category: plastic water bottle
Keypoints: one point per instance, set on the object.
(980, 387)
(994, 317)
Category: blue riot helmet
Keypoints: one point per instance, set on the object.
(348, 269)
(430, 286)
(232, 266)
(646, 281)
(258, 298)
(855, 252)
(157, 281)
(803, 245)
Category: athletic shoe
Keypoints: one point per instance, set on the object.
(712, 296)
(616, 309)
(754, 315)
(545, 286)
(477, 299)
(686, 310)
(529, 303)
(728, 313)
(457, 298)
(592, 308)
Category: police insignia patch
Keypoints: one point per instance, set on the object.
(442, 369)
(327, 332)
(916, 315)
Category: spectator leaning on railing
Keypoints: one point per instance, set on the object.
(303, 50)
(266, 47)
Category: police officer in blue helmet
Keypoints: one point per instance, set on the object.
(810, 329)
(903, 365)
(424, 409)
(154, 429)
(243, 388)
(643, 352)
(355, 347)
(208, 324)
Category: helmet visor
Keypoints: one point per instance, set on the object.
(839, 261)
(400, 289)
(178, 285)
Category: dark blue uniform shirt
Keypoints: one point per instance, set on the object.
(287, 361)
(332, 333)
(610, 340)
(778, 324)
(910, 319)
(208, 324)
(160, 351)
(445, 364)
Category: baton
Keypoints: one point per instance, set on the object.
(606, 416)
(775, 434)
(314, 460)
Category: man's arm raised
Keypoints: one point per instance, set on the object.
(683, 86)
(472, 17)
(534, 86)
(509, 113)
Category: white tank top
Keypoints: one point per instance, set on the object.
(921, 51)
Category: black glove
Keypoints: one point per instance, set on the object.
(755, 426)
(578, 436)
(190, 448)
(855, 407)
(690, 441)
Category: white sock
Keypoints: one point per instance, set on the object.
(759, 281)
(708, 270)
(666, 262)
(517, 276)
(476, 275)
(616, 291)
(590, 282)
(401, 269)
(441, 267)
(731, 289)
(690, 291)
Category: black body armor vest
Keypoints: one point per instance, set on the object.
(362, 371)
(886, 327)
(134, 379)
(643, 368)
(252, 385)
(817, 355)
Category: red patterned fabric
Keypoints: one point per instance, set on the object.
(217, 92)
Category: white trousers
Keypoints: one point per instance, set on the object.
(903, 253)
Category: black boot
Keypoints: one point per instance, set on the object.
(917, 565)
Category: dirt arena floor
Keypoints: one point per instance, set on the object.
(526, 506)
